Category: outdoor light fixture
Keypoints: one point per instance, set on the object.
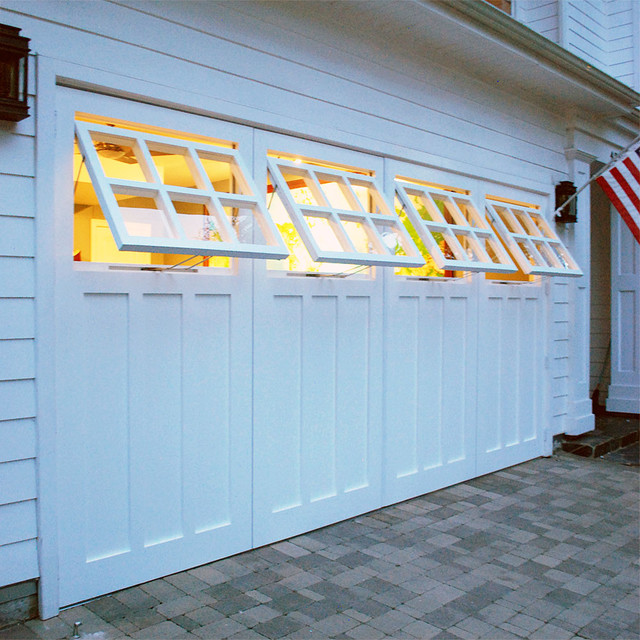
(14, 54)
(565, 193)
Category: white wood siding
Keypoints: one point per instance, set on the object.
(624, 41)
(586, 31)
(319, 79)
(18, 531)
(540, 15)
(602, 32)
(293, 82)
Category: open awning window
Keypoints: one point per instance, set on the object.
(341, 216)
(531, 240)
(165, 195)
(452, 229)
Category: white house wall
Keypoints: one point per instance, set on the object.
(598, 31)
(624, 49)
(18, 555)
(540, 15)
(324, 79)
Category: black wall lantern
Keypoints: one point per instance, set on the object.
(14, 56)
(568, 212)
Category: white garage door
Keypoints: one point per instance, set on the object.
(206, 410)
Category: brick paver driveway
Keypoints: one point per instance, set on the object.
(547, 549)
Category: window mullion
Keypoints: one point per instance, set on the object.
(150, 170)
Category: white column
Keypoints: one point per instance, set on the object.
(579, 417)
(624, 390)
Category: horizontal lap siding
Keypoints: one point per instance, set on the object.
(18, 532)
(541, 16)
(587, 31)
(598, 31)
(298, 81)
(624, 53)
(559, 356)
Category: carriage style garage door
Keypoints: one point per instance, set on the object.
(201, 412)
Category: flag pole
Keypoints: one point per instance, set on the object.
(596, 176)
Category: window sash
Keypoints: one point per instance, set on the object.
(175, 239)
(382, 244)
(477, 236)
(532, 242)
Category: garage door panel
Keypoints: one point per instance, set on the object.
(105, 337)
(153, 415)
(156, 417)
(356, 390)
(511, 391)
(430, 399)
(207, 400)
(316, 428)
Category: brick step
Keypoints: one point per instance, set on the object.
(611, 433)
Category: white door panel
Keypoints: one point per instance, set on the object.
(511, 379)
(317, 387)
(154, 400)
(430, 352)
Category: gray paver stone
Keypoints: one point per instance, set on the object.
(165, 630)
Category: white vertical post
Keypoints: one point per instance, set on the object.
(624, 390)
(580, 418)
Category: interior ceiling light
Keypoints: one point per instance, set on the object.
(112, 151)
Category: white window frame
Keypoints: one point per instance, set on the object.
(162, 194)
(532, 230)
(476, 235)
(383, 254)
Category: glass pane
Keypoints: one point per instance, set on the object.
(507, 219)
(334, 192)
(430, 268)
(562, 255)
(527, 224)
(469, 212)
(421, 208)
(299, 260)
(323, 234)
(173, 169)
(300, 189)
(549, 255)
(467, 244)
(368, 201)
(199, 222)
(358, 236)
(525, 248)
(492, 250)
(445, 209)
(142, 217)
(242, 222)
(542, 225)
(220, 175)
(119, 161)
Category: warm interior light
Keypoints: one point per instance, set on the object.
(297, 159)
(93, 241)
(434, 185)
(146, 128)
(517, 203)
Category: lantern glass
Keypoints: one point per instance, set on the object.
(9, 80)
(565, 191)
(14, 55)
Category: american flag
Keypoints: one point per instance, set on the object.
(621, 183)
